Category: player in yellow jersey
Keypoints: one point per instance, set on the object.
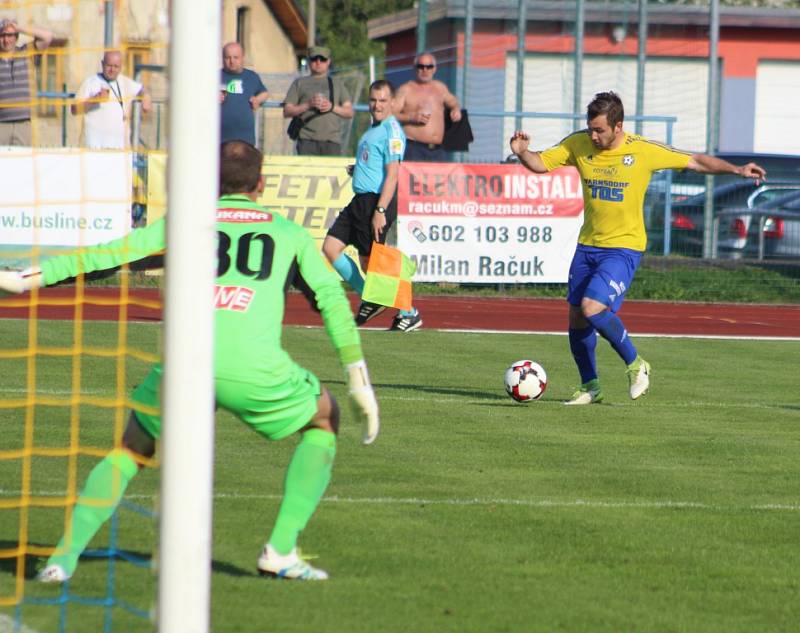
(615, 168)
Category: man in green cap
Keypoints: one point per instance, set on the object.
(320, 104)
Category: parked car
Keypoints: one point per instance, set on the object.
(688, 216)
(778, 219)
(737, 235)
(782, 229)
(688, 204)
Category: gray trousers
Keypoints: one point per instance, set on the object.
(15, 133)
(307, 147)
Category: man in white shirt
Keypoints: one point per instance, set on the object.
(106, 100)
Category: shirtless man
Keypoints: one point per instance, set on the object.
(419, 107)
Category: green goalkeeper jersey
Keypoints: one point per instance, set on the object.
(260, 254)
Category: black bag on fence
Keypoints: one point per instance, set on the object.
(296, 124)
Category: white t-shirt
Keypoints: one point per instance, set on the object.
(107, 125)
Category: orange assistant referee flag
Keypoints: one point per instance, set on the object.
(388, 280)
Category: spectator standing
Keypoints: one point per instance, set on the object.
(420, 107)
(106, 101)
(241, 95)
(373, 209)
(322, 115)
(16, 79)
(615, 168)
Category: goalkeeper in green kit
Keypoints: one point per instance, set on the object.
(259, 255)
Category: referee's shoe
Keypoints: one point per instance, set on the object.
(406, 323)
(368, 311)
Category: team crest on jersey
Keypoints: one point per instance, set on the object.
(627, 160)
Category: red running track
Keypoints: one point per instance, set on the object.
(463, 313)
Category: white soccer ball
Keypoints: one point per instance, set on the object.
(525, 380)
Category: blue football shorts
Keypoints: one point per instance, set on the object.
(602, 274)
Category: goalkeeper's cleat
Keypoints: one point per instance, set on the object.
(587, 393)
(289, 566)
(368, 311)
(53, 574)
(638, 377)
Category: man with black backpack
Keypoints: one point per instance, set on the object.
(318, 105)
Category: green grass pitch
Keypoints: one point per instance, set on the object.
(678, 512)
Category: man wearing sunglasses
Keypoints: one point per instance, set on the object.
(420, 106)
(321, 103)
(16, 79)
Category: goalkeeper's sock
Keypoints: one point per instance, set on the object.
(348, 271)
(612, 329)
(307, 477)
(103, 490)
(582, 343)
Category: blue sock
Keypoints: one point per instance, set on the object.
(407, 313)
(582, 343)
(348, 271)
(612, 329)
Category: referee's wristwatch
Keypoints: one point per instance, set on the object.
(380, 210)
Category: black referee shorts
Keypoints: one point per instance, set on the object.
(354, 224)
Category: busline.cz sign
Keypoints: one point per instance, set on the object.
(488, 223)
(64, 197)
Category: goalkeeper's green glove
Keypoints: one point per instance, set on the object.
(17, 282)
(363, 399)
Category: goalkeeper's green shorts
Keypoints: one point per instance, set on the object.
(274, 411)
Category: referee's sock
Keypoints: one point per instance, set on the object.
(582, 344)
(101, 494)
(307, 477)
(348, 271)
(612, 329)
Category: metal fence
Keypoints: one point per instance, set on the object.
(674, 207)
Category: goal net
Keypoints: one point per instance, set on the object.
(70, 355)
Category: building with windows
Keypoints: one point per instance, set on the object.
(759, 67)
(273, 33)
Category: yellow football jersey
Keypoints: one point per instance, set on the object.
(614, 185)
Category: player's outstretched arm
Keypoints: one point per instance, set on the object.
(135, 246)
(324, 288)
(705, 164)
(16, 281)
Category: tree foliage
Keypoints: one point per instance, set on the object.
(342, 26)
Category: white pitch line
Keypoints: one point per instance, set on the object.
(649, 403)
(729, 337)
(534, 503)
(502, 501)
(8, 625)
(445, 399)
